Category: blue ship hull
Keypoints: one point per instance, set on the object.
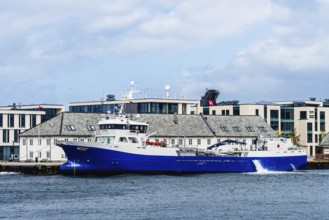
(97, 161)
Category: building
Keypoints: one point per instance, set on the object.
(17, 119)
(307, 120)
(166, 105)
(38, 143)
(325, 145)
(137, 106)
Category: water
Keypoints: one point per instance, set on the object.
(293, 195)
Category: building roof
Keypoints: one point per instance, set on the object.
(325, 141)
(165, 125)
(239, 126)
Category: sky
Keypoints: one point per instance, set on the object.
(62, 51)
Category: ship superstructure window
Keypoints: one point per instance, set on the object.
(139, 128)
(262, 129)
(91, 128)
(133, 140)
(113, 126)
(250, 129)
(224, 128)
(106, 140)
(70, 128)
(123, 139)
(236, 128)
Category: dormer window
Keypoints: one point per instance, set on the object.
(70, 128)
(91, 128)
(224, 128)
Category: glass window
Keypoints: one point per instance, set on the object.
(172, 141)
(22, 121)
(33, 120)
(250, 129)
(133, 140)
(16, 135)
(262, 129)
(208, 141)
(1, 120)
(236, 128)
(190, 141)
(123, 139)
(199, 141)
(11, 120)
(5, 136)
(224, 128)
(303, 115)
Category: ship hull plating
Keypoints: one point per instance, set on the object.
(98, 161)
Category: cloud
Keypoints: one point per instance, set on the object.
(289, 63)
(45, 39)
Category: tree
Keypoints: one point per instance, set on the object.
(294, 137)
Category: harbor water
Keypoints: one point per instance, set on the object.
(264, 195)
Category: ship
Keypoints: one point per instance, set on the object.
(122, 145)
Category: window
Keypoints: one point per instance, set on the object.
(123, 139)
(31, 142)
(224, 128)
(31, 154)
(257, 112)
(262, 129)
(24, 142)
(227, 112)
(213, 112)
(172, 141)
(303, 115)
(180, 141)
(48, 154)
(22, 121)
(48, 142)
(33, 120)
(40, 154)
(70, 128)
(236, 129)
(250, 129)
(5, 136)
(199, 141)
(223, 112)
(218, 140)
(133, 140)
(11, 121)
(39, 141)
(16, 135)
(1, 120)
(91, 128)
(208, 141)
(190, 141)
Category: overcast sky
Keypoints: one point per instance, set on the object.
(61, 51)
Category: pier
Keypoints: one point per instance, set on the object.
(31, 168)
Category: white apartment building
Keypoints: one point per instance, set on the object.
(308, 119)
